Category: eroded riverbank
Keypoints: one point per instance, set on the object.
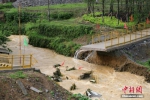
(110, 83)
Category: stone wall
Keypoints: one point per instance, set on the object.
(26, 3)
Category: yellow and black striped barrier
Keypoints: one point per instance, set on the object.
(8, 62)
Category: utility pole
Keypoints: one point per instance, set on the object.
(48, 12)
(118, 11)
(19, 30)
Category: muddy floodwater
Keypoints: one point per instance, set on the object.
(110, 83)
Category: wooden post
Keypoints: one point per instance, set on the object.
(30, 60)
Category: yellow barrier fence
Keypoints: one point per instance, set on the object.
(137, 31)
(8, 62)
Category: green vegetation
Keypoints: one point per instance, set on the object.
(108, 21)
(63, 28)
(56, 36)
(60, 6)
(52, 93)
(78, 97)
(3, 35)
(62, 15)
(6, 6)
(146, 64)
(17, 75)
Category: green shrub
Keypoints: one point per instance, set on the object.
(12, 28)
(3, 38)
(78, 97)
(107, 21)
(24, 16)
(69, 31)
(59, 44)
(62, 15)
(38, 40)
(6, 5)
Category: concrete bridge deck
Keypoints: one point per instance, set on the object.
(119, 41)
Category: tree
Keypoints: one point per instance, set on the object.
(111, 7)
(48, 11)
(90, 6)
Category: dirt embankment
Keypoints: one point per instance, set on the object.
(125, 59)
(139, 51)
(9, 89)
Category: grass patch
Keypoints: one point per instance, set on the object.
(18, 74)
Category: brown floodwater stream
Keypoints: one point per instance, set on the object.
(110, 83)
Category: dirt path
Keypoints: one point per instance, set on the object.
(110, 83)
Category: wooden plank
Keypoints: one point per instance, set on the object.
(36, 90)
(24, 91)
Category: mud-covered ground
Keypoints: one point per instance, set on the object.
(9, 89)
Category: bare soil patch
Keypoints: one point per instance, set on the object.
(9, 90)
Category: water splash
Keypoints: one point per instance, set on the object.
(77, 53)
(90, 54)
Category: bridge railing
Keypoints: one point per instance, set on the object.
(127, 35)
(8, 62)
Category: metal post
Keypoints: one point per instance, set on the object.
(99, 37)
(144, 25)
(30, 60)
(139, 26)
(118, 38)
(19, 9)
(105, 40)
(130, 36)
(12, 62)
(135, 35)
(124, 38)
(132, 28)
(92, 40)
(111, 38)
(146, 33)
